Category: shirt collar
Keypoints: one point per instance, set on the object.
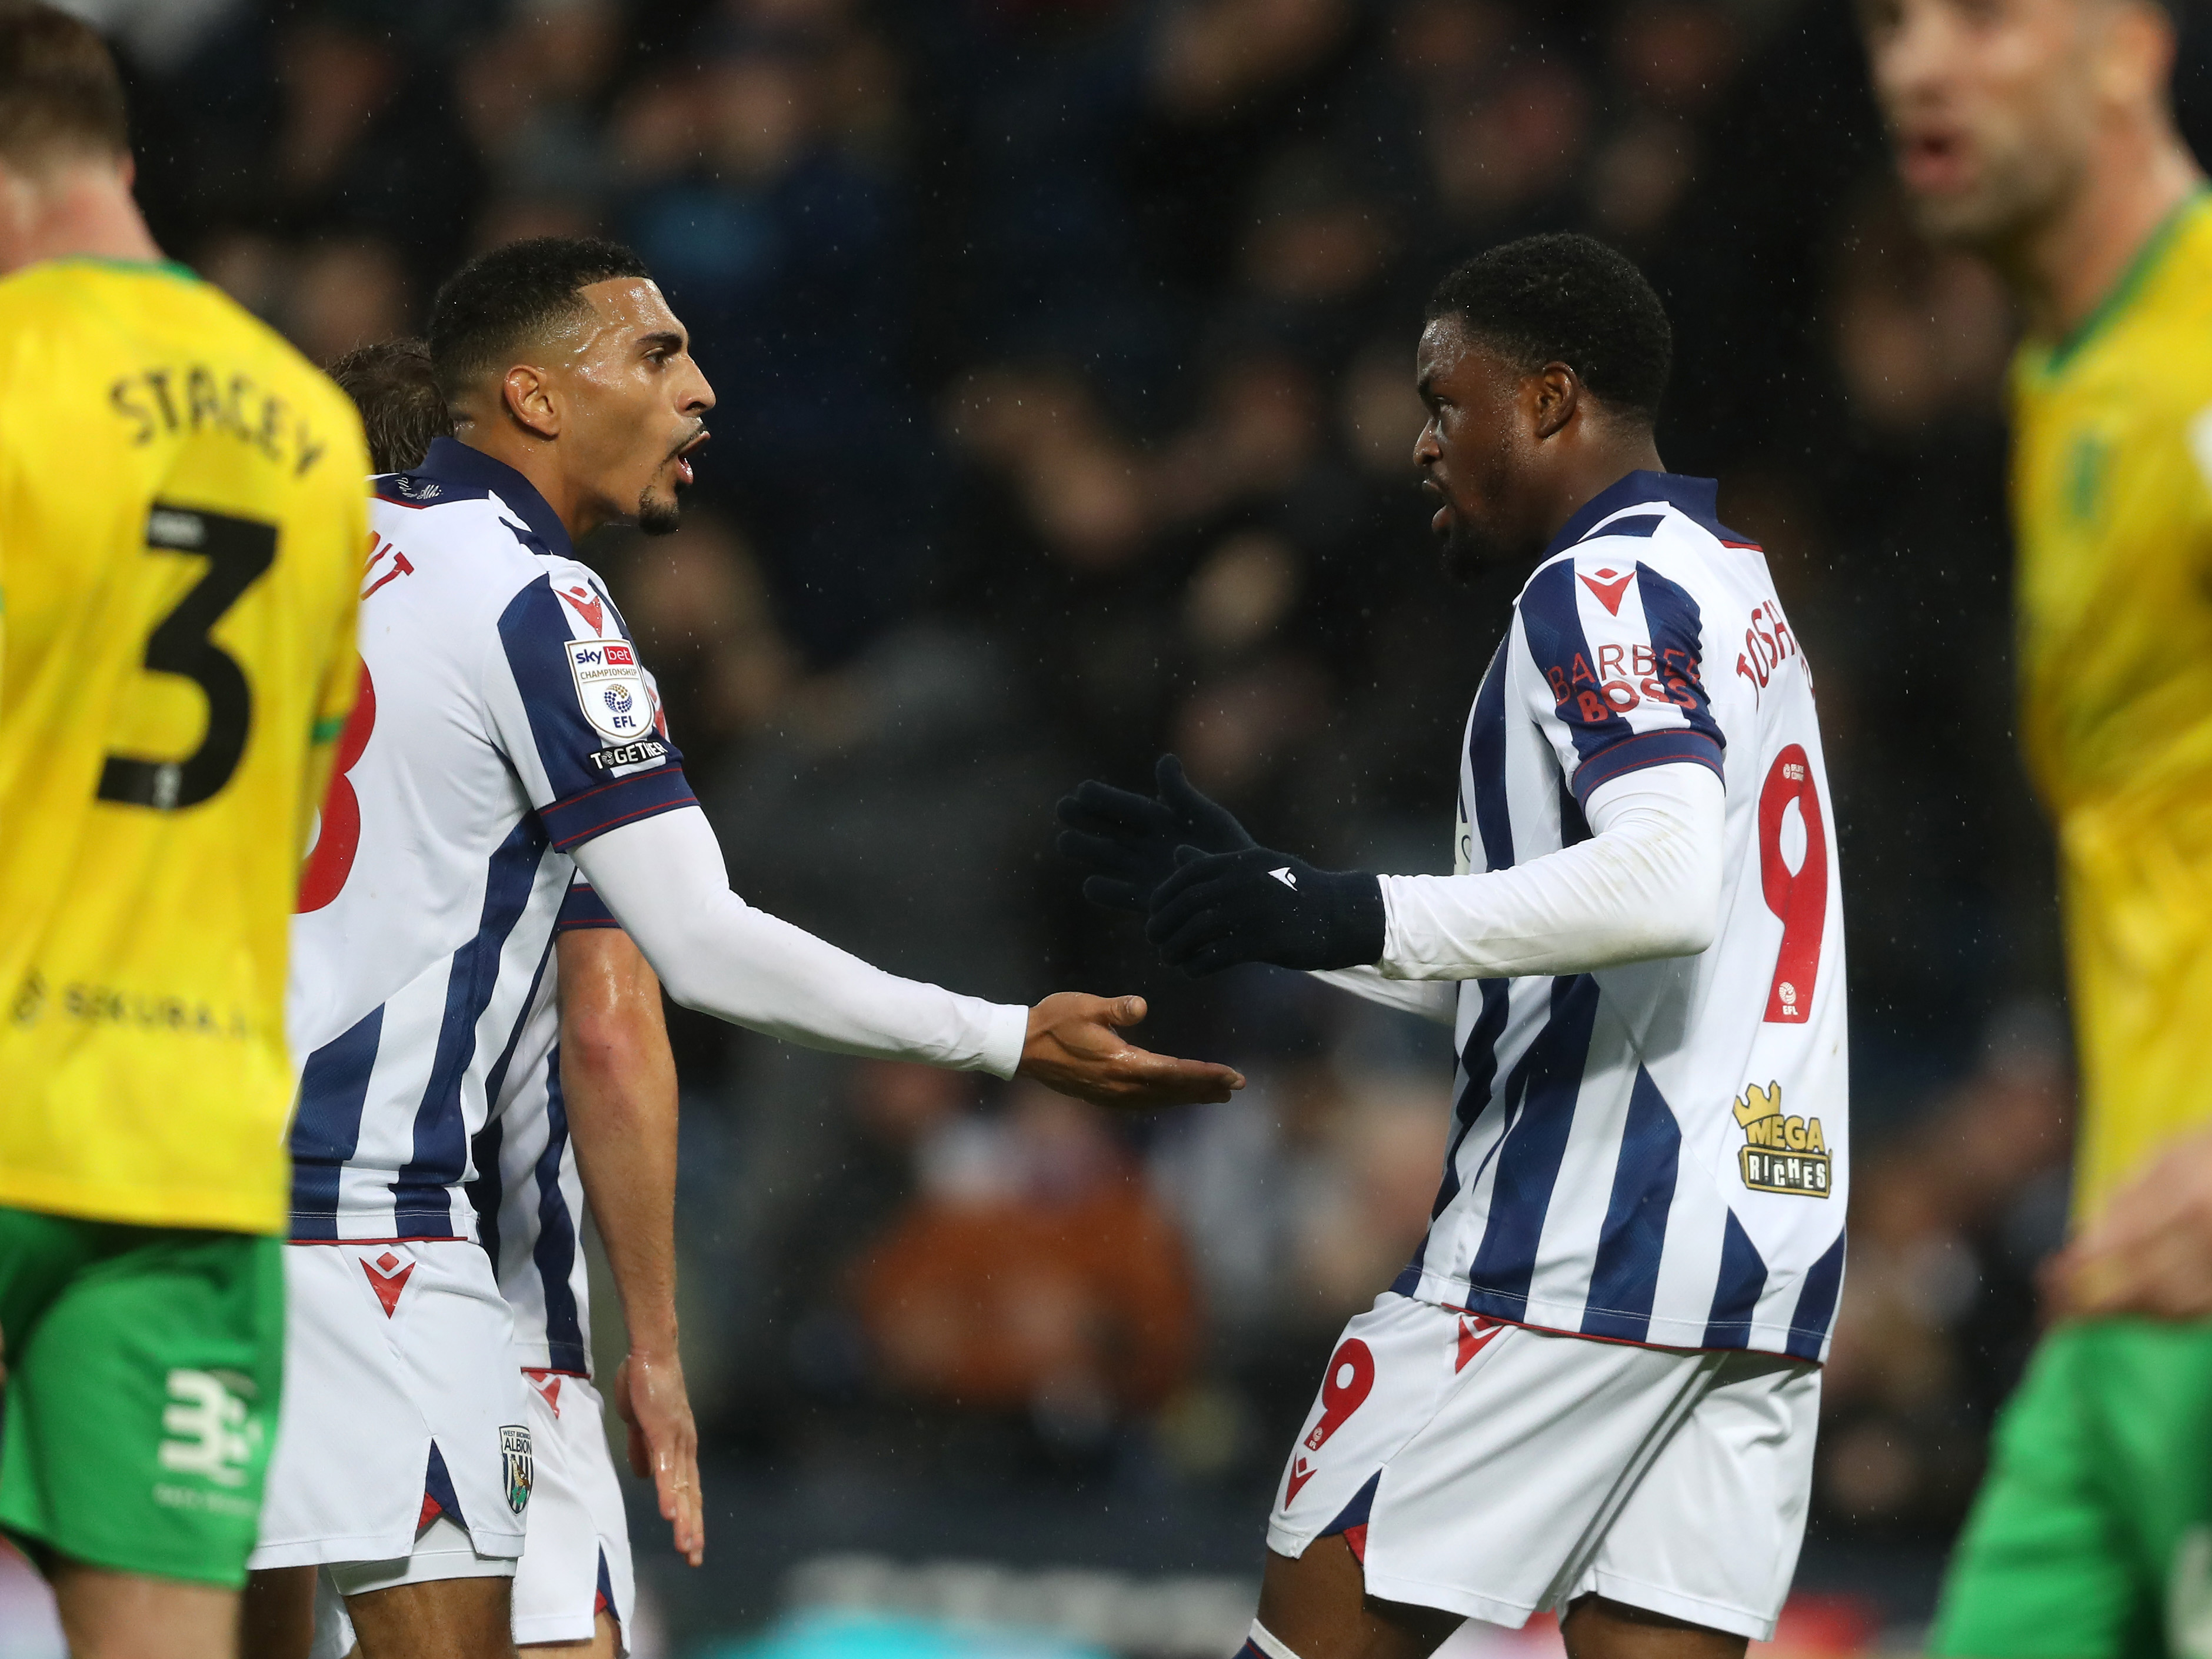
(455, 462)
(1697, 499)
(2129, 283)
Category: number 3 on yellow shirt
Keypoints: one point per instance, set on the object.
(237, 551)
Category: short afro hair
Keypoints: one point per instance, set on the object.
(504, 300)
(401, 408)
(1565, 298)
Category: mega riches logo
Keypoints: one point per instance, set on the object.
(1781, 1154)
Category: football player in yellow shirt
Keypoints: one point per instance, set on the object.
(182, 528)
(2039, 133)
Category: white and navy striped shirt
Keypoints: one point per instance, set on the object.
(505, 720)
(1654, 1153)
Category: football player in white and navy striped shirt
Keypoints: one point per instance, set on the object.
(505, 738)
(585, 1111)
(1594, 1388)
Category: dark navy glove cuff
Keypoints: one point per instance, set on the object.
(1357, 924)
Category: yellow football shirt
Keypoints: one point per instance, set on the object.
(2112, 511)
(183, 523)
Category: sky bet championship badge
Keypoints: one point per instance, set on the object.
(514, 1448)
(610, 686)
(1780, 1154)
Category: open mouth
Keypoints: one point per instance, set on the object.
(683, 458)
(1440, 520)
(1932, 159)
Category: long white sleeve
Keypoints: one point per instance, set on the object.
(1645, 884)
(665, 880)
(1431, 999)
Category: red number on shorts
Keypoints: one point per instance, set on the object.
(1801, 899)
(1351, 1374)
(331, 861)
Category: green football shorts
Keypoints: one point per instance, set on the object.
(2092, 1537)
(143, 1370)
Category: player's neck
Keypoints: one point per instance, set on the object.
(80, 212)
(534, 459)
(2061, 270)
(1595, 468)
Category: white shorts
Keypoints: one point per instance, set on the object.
(402, 1410)
(577, 1559)
(579, 1547)
(1496, 1471)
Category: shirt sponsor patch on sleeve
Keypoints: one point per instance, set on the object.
(644, 752)
(611, 688)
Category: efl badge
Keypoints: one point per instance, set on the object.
(610, 687)
(1781, 1154)
(514, 1450)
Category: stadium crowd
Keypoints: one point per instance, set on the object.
(1064, 351)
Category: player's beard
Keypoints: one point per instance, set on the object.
(662, 514)
(1469, 546)
(1468, 552)
(2018, 191)
(659, 515)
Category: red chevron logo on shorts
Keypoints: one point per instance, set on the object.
(388, 1277)
(1300, 1473)
(1609, 588)
(1472, 1340)
(548, 1384)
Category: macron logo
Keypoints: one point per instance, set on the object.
(585, 604)
(1608, 588)
(1284, 877)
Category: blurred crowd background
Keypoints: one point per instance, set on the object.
(1064, 351)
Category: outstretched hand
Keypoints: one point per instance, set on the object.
(650, 1398)
(1129, 840)
(1075, 1046)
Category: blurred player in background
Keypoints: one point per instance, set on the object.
(181, 526)
(2039, 133)
(1596, 1387)
(508, 736)
(401, 408)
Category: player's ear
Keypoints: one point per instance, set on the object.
(529, 398)
(1557, 393)
(2135, 58)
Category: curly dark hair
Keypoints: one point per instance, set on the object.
(1565, 298)
(505, 299)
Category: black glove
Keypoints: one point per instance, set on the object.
(1221, 908)
(1129, 841)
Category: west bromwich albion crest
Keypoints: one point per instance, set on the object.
(514, 1451)
(610, 687)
